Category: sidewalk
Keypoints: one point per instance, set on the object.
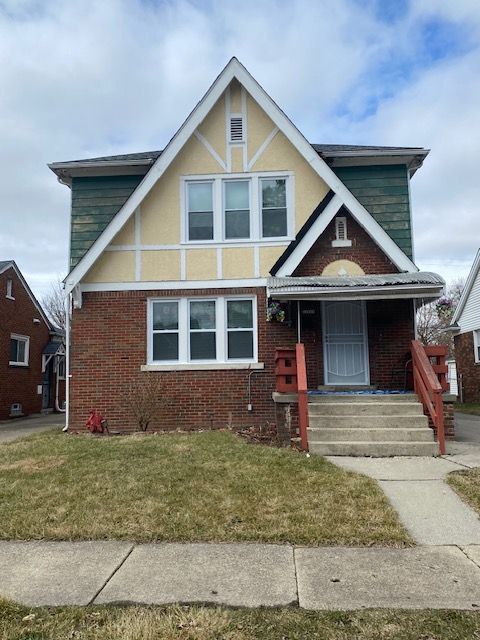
(239, 575)
(430, 510)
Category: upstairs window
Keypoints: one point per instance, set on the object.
(237, 209)
(19, 348)
(10, 289)
(274, 208)
(200, 210)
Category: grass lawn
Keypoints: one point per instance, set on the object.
(468, 407)
(209, 486)
(215, 623)
(467, 485)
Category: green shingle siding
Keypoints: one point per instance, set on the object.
(383, 191)
(95, 201)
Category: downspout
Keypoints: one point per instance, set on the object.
(57, 405)
(68, 300)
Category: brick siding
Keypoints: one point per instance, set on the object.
(468, 371)
(19, 384)
(364, 252)
(109, 347)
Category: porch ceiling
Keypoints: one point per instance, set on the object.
(422, 284)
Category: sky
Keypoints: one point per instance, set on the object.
(85, 78)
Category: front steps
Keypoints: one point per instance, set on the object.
(369, 425)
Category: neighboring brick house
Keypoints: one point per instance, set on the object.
(32, 352)
(466, 329)
(177, 256)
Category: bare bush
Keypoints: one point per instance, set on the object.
(144, 398)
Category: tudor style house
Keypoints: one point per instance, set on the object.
(198, 264)
(32, 363)
(466, 330)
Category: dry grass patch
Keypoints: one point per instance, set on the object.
(467, 485)
(218, 623)
(208, 486)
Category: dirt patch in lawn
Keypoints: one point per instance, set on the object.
(33, 465)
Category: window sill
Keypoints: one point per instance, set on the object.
(9, 297)
(341, 243)
(18, 364)
(213, 366)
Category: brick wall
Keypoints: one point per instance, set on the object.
(364, 251)
(19, 384)
(468, 372)
(109, 347)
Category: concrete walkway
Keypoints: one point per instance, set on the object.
(21, 427)
(430, 510)
(240, 575)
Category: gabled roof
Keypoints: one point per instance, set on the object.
(235, 69)
(11, 264)
(472, 276)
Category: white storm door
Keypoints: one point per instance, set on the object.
(345, 343)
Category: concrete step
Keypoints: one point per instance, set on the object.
(374, 449)
(368, 422)
(319, 435)
(352, 387)
(320, 398)
(347, 408)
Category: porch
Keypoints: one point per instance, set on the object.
(364, 385)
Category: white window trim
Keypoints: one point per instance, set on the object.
(26, 339)
(476, 346)
(184, 362)
(255, 207)
(9, 294)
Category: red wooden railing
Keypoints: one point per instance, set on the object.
(291, 377)
(429, 388)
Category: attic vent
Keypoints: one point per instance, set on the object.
(236, 129)
(341, 239)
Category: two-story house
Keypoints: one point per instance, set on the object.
(32, 351)
(196, 262)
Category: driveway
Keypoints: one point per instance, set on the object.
(21, 427)
(467, 428)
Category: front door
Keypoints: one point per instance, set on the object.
(345, 343)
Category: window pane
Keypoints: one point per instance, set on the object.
(237, 195)
(165, 315)
(13, 350)
(202, 346)
(240, 344)
(21, 351)
(200, 226)
(237, 224)
(165, 346)
(274, 223)
(200, 196)
(239, 314)
(202, 315)
(274, 193)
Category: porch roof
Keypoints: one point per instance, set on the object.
(422, 284)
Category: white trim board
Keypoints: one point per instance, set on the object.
(472, 276)
(235, 69)
(167, 285)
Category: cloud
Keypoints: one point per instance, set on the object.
(88, 78)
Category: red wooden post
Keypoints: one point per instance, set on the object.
(302, 395)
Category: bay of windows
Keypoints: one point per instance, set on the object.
(235, 209)
(202, 330)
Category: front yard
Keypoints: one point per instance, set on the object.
(467, 485)
(215, 623)
(209, 486)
